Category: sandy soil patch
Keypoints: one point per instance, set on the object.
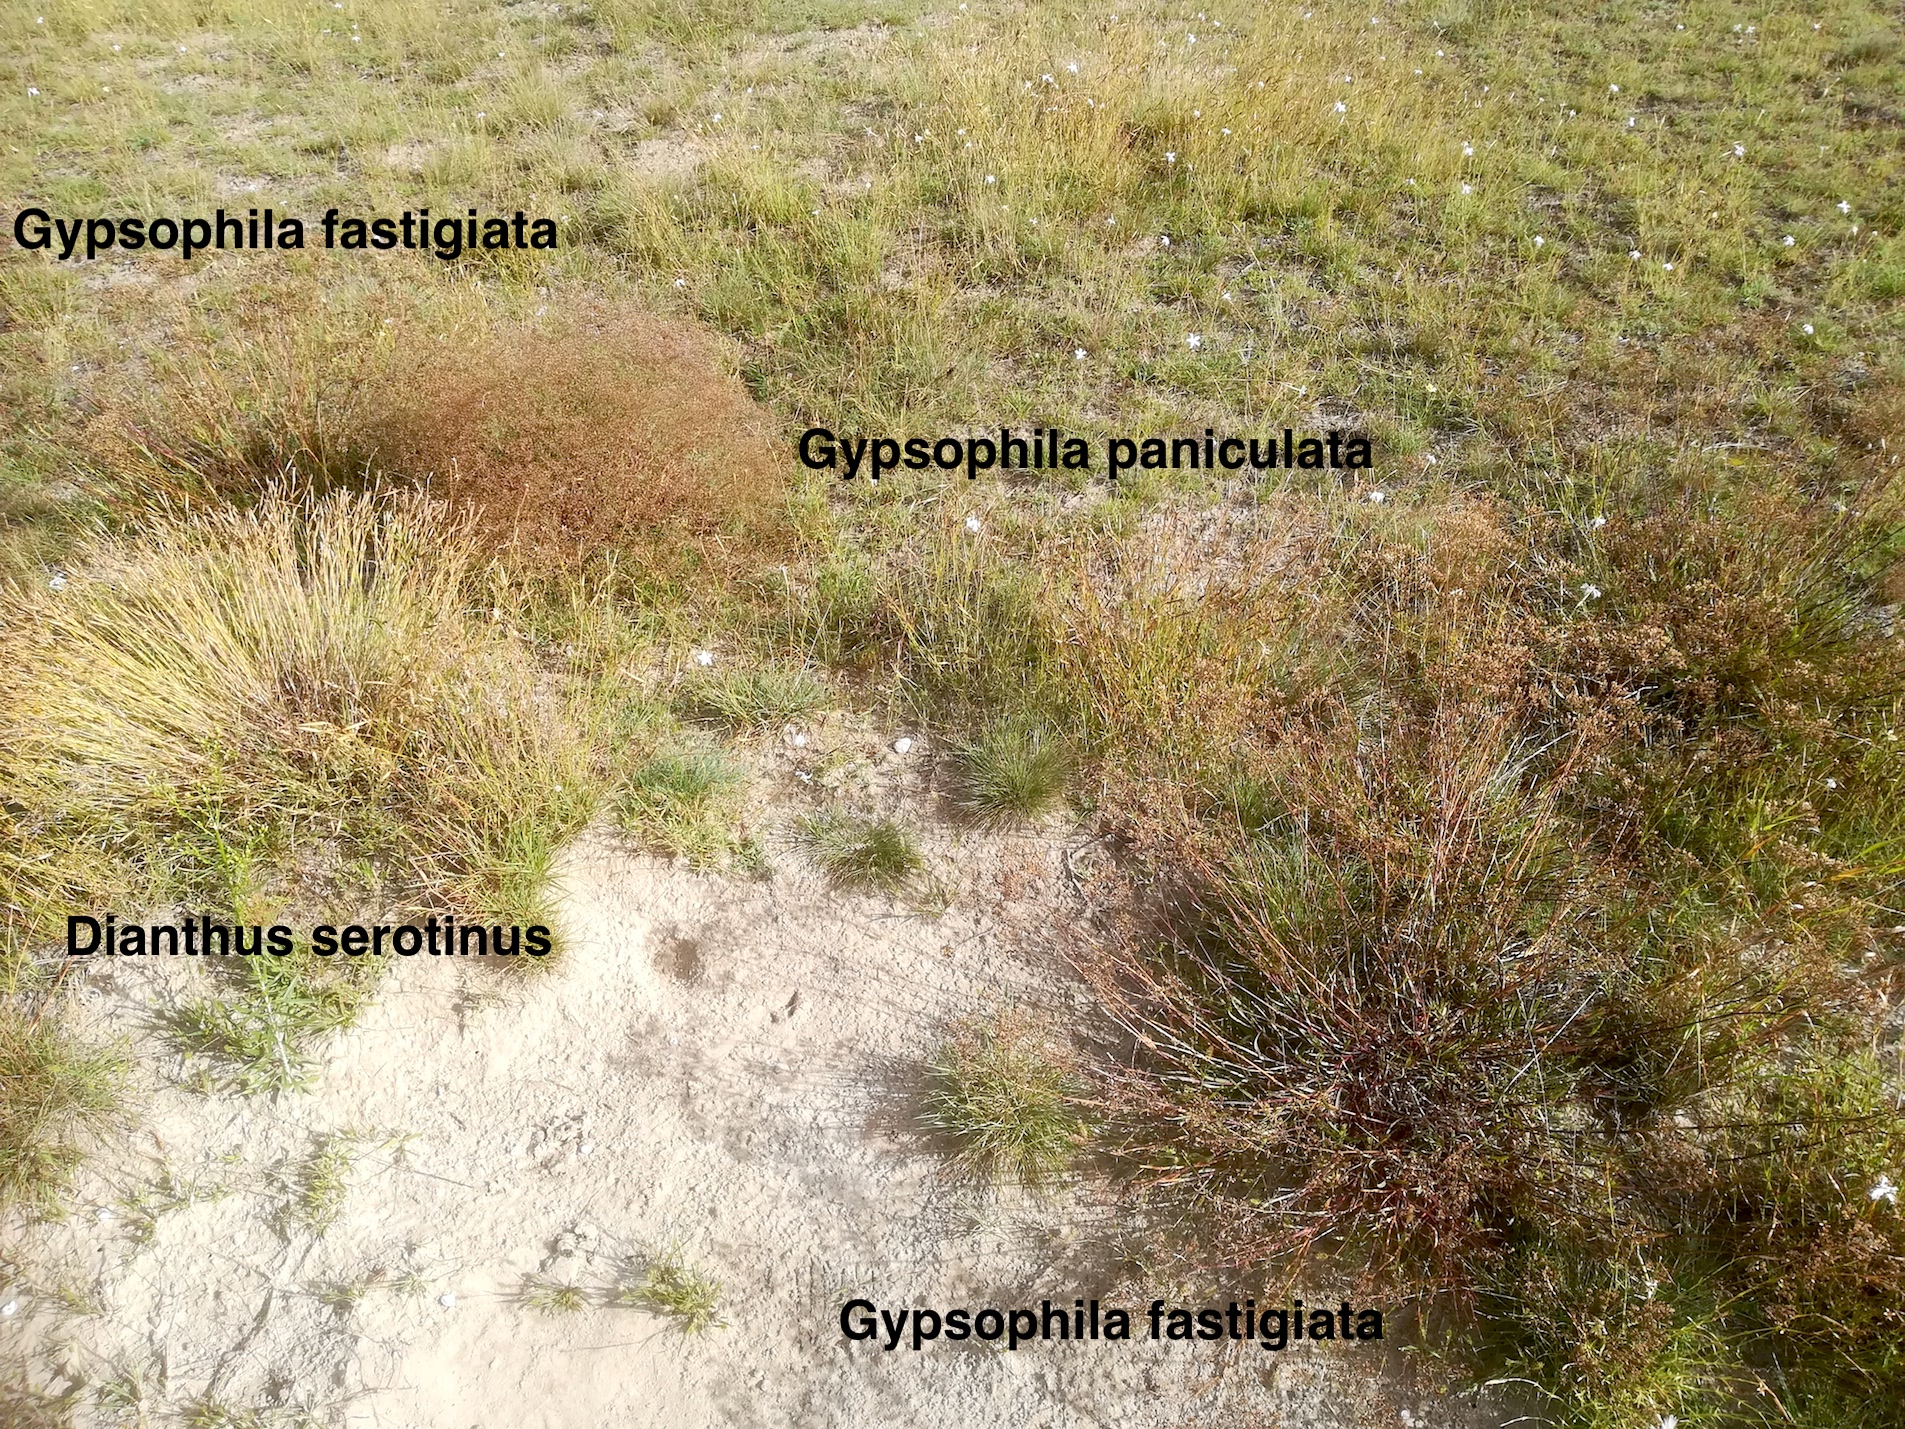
(723, 1069)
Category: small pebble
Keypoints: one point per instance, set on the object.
(902, 745)
(447, 1300)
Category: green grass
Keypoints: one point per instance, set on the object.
(1008, 1099)
(1588, 897)
(56, 1095)
(322, 1183)
(682, 802)
(550, 1297)
(671, 1287)
(754, 699)
(861, 853)
(263, 1026)
(1010, 774)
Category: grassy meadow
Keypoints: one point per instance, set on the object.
(1515, 831)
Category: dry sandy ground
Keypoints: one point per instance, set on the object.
(722, 1068)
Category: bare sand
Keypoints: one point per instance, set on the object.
(721, 1068)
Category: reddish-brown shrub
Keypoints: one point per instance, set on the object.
(614, 429)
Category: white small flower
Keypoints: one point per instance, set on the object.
(1190, 39)
(447, 1300)
(1170, 156)
(903, 745)
(681, 282)
(972, 525)
(1832, 783)
(58, 582)
(1633, 253)
(704, 658)
(1341, 108)
(1376, 498)
(1667, 267)
(31, 90)
(1072, 68)
(1613, 89)
(1047, 79)
(1540, 241)
(799, 741)
(1739, 151)
(992, 178)
(1787, 241)
(1590, 592)
(1630, 121)
(1597, 523)
(1468, 151)
(714, 119)
(1669, 1421)
(1806, 328)
(1193, 341)
(1884, 1189)
(1078, 354)
(1467, 189)
(1844, 207)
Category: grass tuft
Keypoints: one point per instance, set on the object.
(1008, 1097)
(552, 1297)
(670, 1286)
(861, 853)
(755, 699)
(681, 801)
(55, 1094)
(1010, 774)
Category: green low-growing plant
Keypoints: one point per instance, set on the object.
(680, 801)
(862, 853)
(55, 1092)
(1008, 1097)
(1010, 774)
(670, 1286)
(323, 1181)
(754, 699)
(552, 1297)
(268, 1014)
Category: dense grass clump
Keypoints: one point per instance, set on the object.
(1010, 774)
(210, 701)
(617, 430)
(680, 801)
(671, 1287)
(1007, 1097)
(55, 1092)
(863, 853)
(754, 699)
